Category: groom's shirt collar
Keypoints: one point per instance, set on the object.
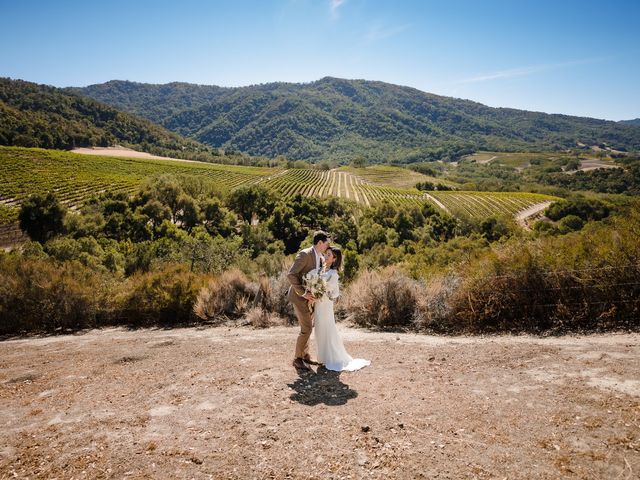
(317, 254)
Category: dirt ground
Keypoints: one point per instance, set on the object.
(124, 152)
(225, 403)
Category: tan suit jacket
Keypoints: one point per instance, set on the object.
(305, 262)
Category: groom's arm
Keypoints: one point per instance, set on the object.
(294, 276)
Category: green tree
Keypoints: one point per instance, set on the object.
(351, 264)
(442, 227)
(403, 225)
(494, 229)
(217, 218)
(167, 190)
(384, 214)
(253, 202)
(207, 254)
(42, 217)
(570, 223)
(256, 238)
(284, 226)
(188, 212)
(343, 229)
(359, 162)
(370, 234)
(156, 211)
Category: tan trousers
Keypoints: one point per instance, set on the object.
(306, 325)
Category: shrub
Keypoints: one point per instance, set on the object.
(496, 228)
(273, 296)
(433, 310)
(227, 296)
(37, 296)
(583, 281)
(63, 249)
(163, 297)
(270, 264)
(31, 249)
(570, 223)
(586, 209)
(381, 255)
(113, 261)
(385, 299)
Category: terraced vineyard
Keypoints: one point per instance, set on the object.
(338, 183)
(517, 160)
(486, 204)
(75, 178)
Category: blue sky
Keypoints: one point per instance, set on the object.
(561, 56)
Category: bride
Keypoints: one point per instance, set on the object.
(331, 351)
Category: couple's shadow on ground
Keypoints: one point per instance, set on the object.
(321, 387)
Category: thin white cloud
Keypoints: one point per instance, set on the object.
(334, 5)
(525, 71)
(377, 32)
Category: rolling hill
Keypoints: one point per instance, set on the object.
(33, 115)
(337, 119)
(75, 178)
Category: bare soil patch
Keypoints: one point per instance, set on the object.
(125, 153)
(594, 164)
(225, 403)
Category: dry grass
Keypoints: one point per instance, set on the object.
(433, 310)
(273, 296)
(228, 296)
(258, 317)
(384, 299)
(584, 281)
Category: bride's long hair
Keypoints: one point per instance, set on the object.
(337, 262)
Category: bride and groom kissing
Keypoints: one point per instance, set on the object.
(326, 261)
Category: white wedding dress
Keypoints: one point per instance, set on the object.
(331, 351)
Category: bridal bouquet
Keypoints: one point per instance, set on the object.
(315, 284)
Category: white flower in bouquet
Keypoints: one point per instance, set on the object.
(314, 284)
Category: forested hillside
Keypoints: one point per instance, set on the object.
(33, 115)
(345, 119)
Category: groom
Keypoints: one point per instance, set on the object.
(305, 261)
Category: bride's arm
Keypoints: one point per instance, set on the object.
(333, 287)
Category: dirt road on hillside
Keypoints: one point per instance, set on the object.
(225, 403)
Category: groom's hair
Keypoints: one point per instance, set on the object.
(320, 236)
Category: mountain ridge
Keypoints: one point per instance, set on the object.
(35, 115)
(339, 119)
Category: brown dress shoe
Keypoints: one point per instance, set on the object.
(300, 364)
